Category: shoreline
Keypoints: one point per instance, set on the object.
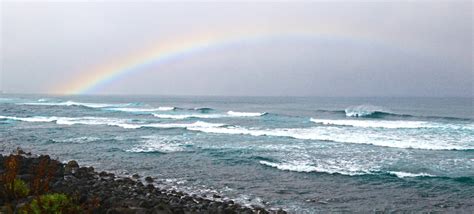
(111, 193)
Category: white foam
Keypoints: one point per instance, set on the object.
(363, 110)
(76, 120)
(124, 123)
(208, 116)
(376, 123)
(187, 116)
(291, 167)
(245, 114)
(306, 166)
(395, 139)
(30, 119)
(143, 109)
(78, 140)
(409, 174)
(195, 125)
(344, 168)
(164, 144)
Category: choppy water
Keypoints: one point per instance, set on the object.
(302, 154)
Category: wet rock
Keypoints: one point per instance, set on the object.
(123, 210)
(25, 177)
(71, 167)
(149, 179)
(73, 164)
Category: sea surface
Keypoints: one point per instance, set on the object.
(303, 154)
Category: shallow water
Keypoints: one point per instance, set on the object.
(302, 154)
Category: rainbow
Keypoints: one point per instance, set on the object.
(91, 81)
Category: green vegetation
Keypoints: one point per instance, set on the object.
(55, 203)
(20, 188)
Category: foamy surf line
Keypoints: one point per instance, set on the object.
(392, 124)
(161, 144)
(138, 110)
(209, 116)
(123, 123)
(341, 135)
(376, 123)
(299, 166)
(331, 134)
(302, 166)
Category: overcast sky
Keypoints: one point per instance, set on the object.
(404, 48)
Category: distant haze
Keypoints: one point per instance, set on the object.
(404, 48)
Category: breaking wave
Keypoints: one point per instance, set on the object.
(138, 110)
(304, 166)
(123, 123)
(393, 124)
(409, 174)
(187, 116)
(458, 139)
(246, 114)
(434, 141)
(208, 116)
(376, 123)
(160, 144)
(344, 169)
(367, 111)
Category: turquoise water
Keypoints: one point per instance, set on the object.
(302, 154)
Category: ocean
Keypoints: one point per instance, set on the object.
(302, 154)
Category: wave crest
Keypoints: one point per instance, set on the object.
(366, 111)
(123, 123)
(376, 123)
(347, 169)
(160, 144)
(393, 139)
(209, 116)
(138, 110)
(246, 114)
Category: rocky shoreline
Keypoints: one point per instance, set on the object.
(115, 194)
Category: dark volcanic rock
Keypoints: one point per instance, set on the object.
(149, 179)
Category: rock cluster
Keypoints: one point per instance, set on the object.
(122, 194)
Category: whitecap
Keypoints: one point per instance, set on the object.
(143, 109)
(306, 166)
(409, 174)
(246, 114)
(158, 143)
(434, 141)
(364, 111)
(30, 119)
(208, 116)
(124, 123)
(77, 140)
(376, 123)
(344, 168)
(187, 116)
